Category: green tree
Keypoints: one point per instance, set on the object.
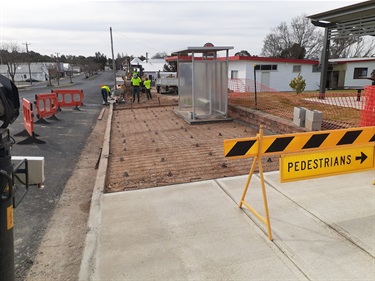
(298, 84)
(160, 55)
(243, 53)
(100, 59)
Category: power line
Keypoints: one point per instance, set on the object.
(136, 41)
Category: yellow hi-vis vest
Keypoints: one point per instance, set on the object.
(147, 84)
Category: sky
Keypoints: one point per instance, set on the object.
(82, 27)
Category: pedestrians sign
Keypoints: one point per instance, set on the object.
(315, 164)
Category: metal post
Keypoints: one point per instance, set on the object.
(6, 209)
(113, 62)
(58, 69)
(255, 86)
(28, 55)
(193, 83)
(324, 61)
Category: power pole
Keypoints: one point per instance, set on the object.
(58, 69)
(27, 51)
(113, 62)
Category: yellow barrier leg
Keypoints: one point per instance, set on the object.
(265, 203)
(248, 181)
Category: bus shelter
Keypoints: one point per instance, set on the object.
(203, 83)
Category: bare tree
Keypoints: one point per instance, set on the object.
(11, 56)
(353, 47)
(299, 40)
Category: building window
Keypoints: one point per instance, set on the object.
(316, 68)
(266, 67)
(359, 72)
(234, 74)
(297, 68)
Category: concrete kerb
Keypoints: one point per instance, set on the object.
(88, 261)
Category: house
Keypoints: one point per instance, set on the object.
(150, 67)
(274, 73)
(39, 71)
(349, 73)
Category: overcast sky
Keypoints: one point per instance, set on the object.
(82, 27)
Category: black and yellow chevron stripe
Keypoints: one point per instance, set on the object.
(288, 143)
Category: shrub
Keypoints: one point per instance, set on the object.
(298, 84)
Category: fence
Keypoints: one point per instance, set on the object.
(28, 120)
(69, 98)
(341, 109)
(46, 105)
(368, 112)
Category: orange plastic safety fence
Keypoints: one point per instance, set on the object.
(46, 105)
(368, 111)
(67, 98)
(341, 109)
(28, 116)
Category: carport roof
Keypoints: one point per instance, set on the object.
(349, 21)
(207, 49)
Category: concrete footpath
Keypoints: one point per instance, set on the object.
(323, 229)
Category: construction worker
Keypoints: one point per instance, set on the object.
(147, 84)
(136, 84)
(105, 90)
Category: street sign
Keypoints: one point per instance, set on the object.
(299, 166)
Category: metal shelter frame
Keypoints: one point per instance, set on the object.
(346, 22)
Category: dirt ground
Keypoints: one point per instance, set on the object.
(153, 146)
(60, 253)
(150, 146)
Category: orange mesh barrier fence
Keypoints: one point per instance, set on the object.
(28, 116)
(368, 112)
(46, 105)
(341, 109)
(68, 98)
(28, 122)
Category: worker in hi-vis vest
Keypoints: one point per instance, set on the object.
(105, 90)
(147, 84)
(136, 86)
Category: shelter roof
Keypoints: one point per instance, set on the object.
(207, 49)
(346, 22)
(347, 13)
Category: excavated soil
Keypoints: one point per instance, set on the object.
(153, 146)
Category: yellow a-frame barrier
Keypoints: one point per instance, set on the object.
(258, 159)
(299, 142)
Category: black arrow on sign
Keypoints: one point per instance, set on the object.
(363, 157)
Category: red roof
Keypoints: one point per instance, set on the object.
(246, 58)
(267, 59)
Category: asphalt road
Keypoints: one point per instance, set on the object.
(65, 140)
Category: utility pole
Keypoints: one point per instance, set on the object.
(113, 62)
(58, 69)
(27, 51)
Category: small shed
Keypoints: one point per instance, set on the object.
(203, 83)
